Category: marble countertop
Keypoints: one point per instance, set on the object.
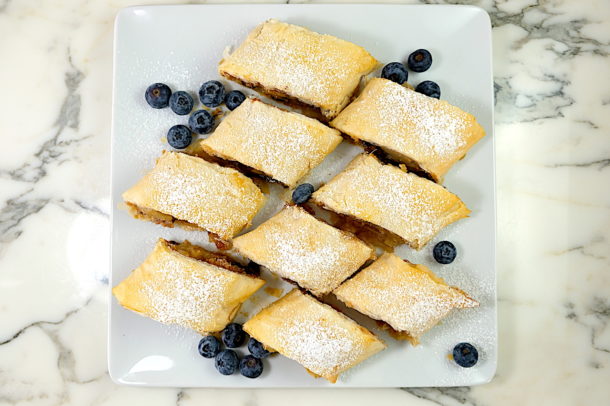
(552, 70)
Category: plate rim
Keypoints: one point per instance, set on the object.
(127, 12)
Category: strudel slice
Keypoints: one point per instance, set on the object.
(427, 134)
(410, 207)
(186, 285)
(191, 192)
(313, 334)
(292, 63)
(279, 144)
(295, 245)
(408, 297)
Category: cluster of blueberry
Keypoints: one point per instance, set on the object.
(212, 94)
(418, 61)
(227, 361)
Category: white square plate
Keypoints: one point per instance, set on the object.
(181, 46)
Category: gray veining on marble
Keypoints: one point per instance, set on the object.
(552, 70)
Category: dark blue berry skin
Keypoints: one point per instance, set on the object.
(233, 335)
(465, 355)
(444, 252)
(251, 367)
(420, 60)
(179, 136)
(201, 122)
(157, 95)
(212, 93)
(396, 72)
(302, 193)
(257, 349)
(429, 88)
(209, 347)
(234, 98)
(226, 362)
(181, 103)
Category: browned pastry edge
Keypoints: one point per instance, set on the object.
(387, 157)
(190, 250)
(397, 335)
(368, 232)
(229, 163)
(165, 220)
(280, 95)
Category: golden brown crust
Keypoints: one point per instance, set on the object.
(289, 62)
(217, 199)
(174, 288)
(282, 145)
(408, 297)
(295, 245)
(312, 333)
(427, 134)
(413, 208)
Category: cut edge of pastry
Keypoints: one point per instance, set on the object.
(390, 157)
(188, 249)
(210, 155)
(370, 233)
(166, 220)
(304, 107)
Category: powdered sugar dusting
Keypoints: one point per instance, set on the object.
(295, 245)
(217, 199)
(406, 113)
(283, 145)
(412, 207)
(183, 296)
(418, 302)
(322, 347)
(320, 70)
(430, 132)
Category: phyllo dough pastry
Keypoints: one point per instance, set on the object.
(189, 191)
(409, 298)
(313, 334)
(295, 245)
(410, 207)
(427, 134)
(186, 285)
(292, 63)
(279, 144)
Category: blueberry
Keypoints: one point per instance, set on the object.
(251, 367)
(233, 335)
(209, 347)
(157, 95)
(181, 103)
(420, 60)
(179, 136)
(212, 93)
(226, 362)
(444, 252)
(396, 72)
(302, 193)
(257, 349)
(234, 98)
(465, 355)
(429, 88)
(201, 122)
